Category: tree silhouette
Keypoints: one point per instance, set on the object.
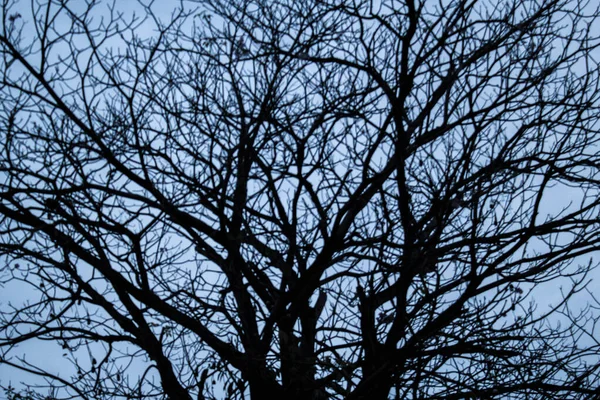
(301, 199)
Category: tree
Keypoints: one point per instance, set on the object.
(302, 200)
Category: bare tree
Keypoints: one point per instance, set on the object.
(317, 199)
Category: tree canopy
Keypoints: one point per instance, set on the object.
(321, 199)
